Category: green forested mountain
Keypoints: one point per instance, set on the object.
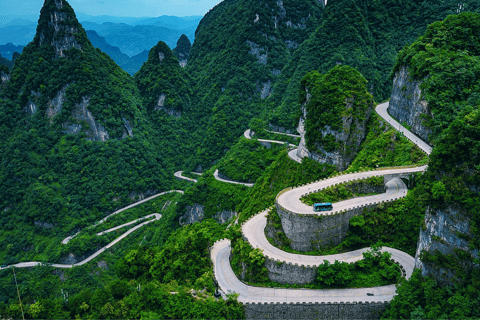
(451, 283)
(74, 140)
(82, 138)
(366, 35)
(239, 49)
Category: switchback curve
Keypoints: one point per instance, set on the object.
(248, 134)
(253, 231)
(179, 175)
(111, 244)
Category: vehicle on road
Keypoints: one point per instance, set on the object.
(322, 207)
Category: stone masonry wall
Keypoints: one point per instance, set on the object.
(309, 232)
(289, 273)
(359, 310)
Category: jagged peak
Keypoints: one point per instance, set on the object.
(58, 26)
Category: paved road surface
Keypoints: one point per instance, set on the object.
(179, 175)
(229, 283)
(93, 256)
(111, 244)
(67, 239)
(247, 134)
(230, 181)
(254, 228)
(285, 134)
(293, 155)
(254, 231)
(290, 200)
(382, 111)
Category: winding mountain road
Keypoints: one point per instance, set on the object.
(111, 244)
(254, 231)
(215, 174)
(179, 175)
(248, 134)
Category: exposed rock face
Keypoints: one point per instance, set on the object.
(182, 51)
(193, 214)
(407, 105)
(127, 129)
(160, 106)
(224, 216)
(44, 225)
(266, 90)
(291, 44)
(94, 130)
(142, 195)
(31, 106)
(55, 106)
(350, 140)
(4, 79)
(64, 34)
(446, 230)
(259, 52)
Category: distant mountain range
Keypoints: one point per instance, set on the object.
(127, 40)
(131, 35)
(131, 65)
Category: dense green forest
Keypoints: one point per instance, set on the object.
(82, 138)
(363, 34)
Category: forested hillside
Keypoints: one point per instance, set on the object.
(76, 140)
(239, 50)
(82, 138)
(366, 35)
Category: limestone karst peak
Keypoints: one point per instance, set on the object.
(59, 27)
(161, 53)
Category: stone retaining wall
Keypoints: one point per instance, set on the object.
(354, 310)
(283, 272)
(310, 232)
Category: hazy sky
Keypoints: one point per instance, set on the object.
(130, 8)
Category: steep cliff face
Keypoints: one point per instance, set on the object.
(194, 213)
(334, 117)
(446, 234)
(58, 27)
(407, 104)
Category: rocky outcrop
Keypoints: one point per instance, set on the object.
(94, 130)
(291, 44)
(55, 106)
(137, 196)
(259, 52)
(64, 34)
(407, 104)
(4, 79)
(44, 225)
(350, 137)
(266, 90)
(224, 216)
(161, 107)
(31, 106)
(446, 231)
(127, 129)
(182, 51)
(193, 214)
